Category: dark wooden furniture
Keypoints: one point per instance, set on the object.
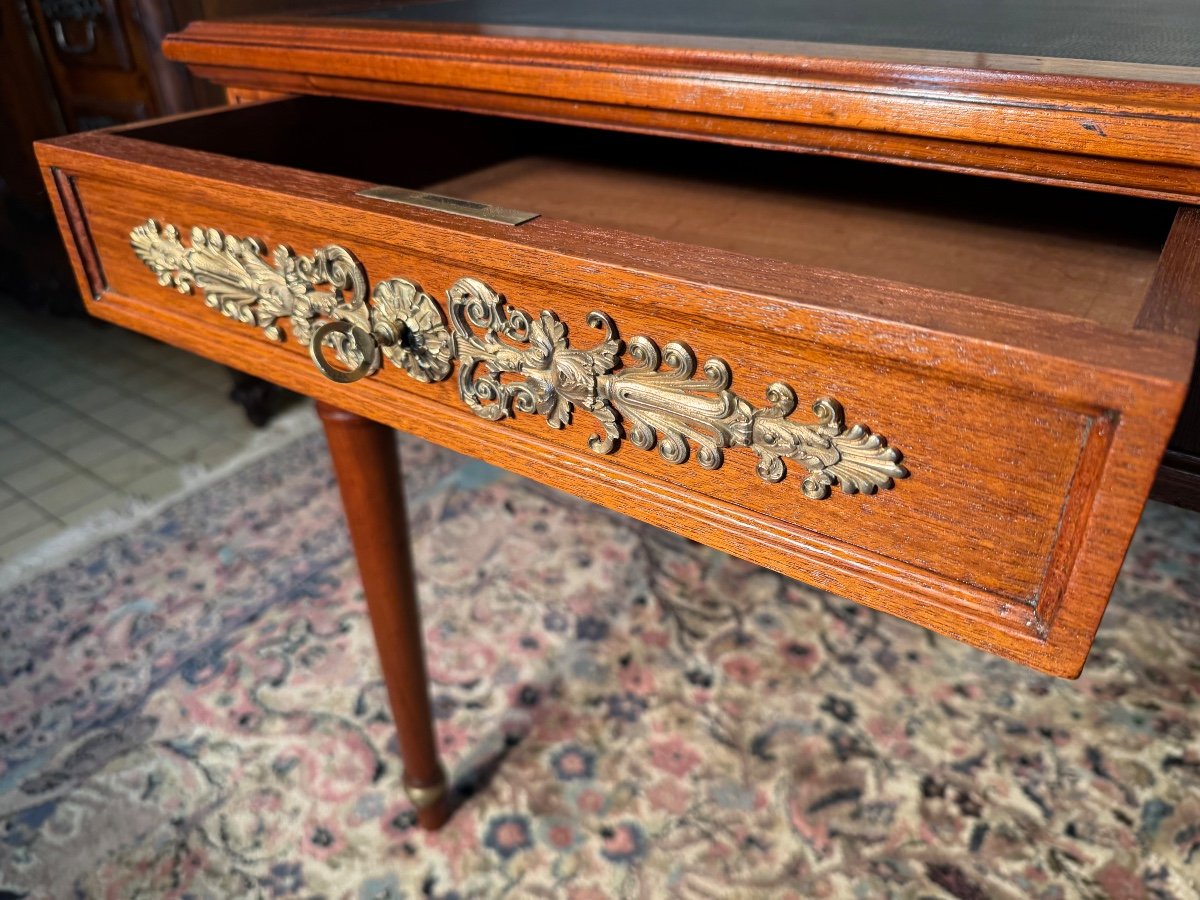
(103, 61)
(1023, 344)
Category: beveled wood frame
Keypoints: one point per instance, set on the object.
(1128, 128)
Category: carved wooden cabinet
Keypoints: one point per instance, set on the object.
(103, 58)
(573, 241)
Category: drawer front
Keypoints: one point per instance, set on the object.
(971, 469)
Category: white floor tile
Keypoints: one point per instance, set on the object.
(39, 474)
(17, 454)
(96, 397)
(155, 485)
(18, 403)
(97, 450)
(19, 516)
(182, 443)
(63, 385)
(70, 433)
(69, 494)
(110, 500)
(120, 470)
(122, 412)
(217, 452)
(150, 424)
(47, 416)
(27, 540)
(93, 417)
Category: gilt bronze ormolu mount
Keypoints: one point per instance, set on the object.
(510, 362)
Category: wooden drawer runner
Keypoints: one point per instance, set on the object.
(1016, 355)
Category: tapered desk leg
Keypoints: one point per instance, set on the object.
(368, 473)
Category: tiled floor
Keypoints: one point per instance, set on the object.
(93, 418)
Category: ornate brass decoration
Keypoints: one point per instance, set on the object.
(408, 324)
(665, 407)
(509, 362)
(555, 377)
(402, 321)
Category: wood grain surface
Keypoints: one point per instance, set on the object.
(1015, 259)
(1171, 306)
(1032, 436)
(1111, 127)
(369, 481)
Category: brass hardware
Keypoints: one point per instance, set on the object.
(238, 283)
(424, 796)
(408, 324)
(664, 407)
(509, 361)
(402, 321)
(365, 346)
(469, 208)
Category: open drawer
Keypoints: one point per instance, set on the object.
(942, 396)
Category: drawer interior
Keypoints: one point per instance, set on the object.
(1083, 254)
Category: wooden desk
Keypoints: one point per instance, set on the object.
(688, 325)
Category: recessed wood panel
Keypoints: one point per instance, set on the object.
(945, 428)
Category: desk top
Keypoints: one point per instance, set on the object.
(1102, 94)
(1151, 32)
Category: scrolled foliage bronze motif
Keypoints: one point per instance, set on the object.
(511, 363)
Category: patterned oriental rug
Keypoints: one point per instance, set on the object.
(194, 709)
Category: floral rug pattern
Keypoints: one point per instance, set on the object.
(194, 709)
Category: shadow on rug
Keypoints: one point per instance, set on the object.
(194, 709)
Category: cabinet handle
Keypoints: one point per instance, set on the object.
(89, 44)
(86, 11)
(509, 362)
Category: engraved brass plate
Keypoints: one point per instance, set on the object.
(469, 208)
(509, 362)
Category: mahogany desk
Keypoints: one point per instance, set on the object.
(567, 238)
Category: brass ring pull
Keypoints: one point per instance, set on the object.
(364, 342)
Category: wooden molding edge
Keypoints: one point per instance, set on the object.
(1029, 125)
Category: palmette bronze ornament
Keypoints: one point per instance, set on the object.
(511, 363)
